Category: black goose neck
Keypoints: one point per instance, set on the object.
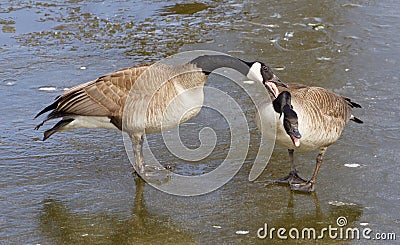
(283, 99)
(209, 63)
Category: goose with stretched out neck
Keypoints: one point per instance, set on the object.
(151, 89)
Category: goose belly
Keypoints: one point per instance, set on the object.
(171, 119)
(310, 139)
(317, 134)
(162, 111)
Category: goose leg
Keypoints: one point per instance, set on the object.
(309, 185)
(293, 177)
(137, 141)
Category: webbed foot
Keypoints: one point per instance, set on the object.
(292, 178)
(153, 174)
(307, 186)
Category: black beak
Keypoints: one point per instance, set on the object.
(296, 133)
(278, 82)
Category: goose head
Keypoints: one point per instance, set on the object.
(260, 72)
(282, 105)
(291, 125)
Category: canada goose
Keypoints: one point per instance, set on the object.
(145, 91)
(313, 118)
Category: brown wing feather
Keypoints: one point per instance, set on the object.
(327, 103)
(104, 96)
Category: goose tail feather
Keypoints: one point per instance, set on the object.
(355, 119)
(58, 127)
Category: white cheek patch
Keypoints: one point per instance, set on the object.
(255, 72)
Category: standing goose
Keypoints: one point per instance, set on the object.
(143, 93)
(313, 118)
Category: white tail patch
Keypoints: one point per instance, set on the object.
(90, 122)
